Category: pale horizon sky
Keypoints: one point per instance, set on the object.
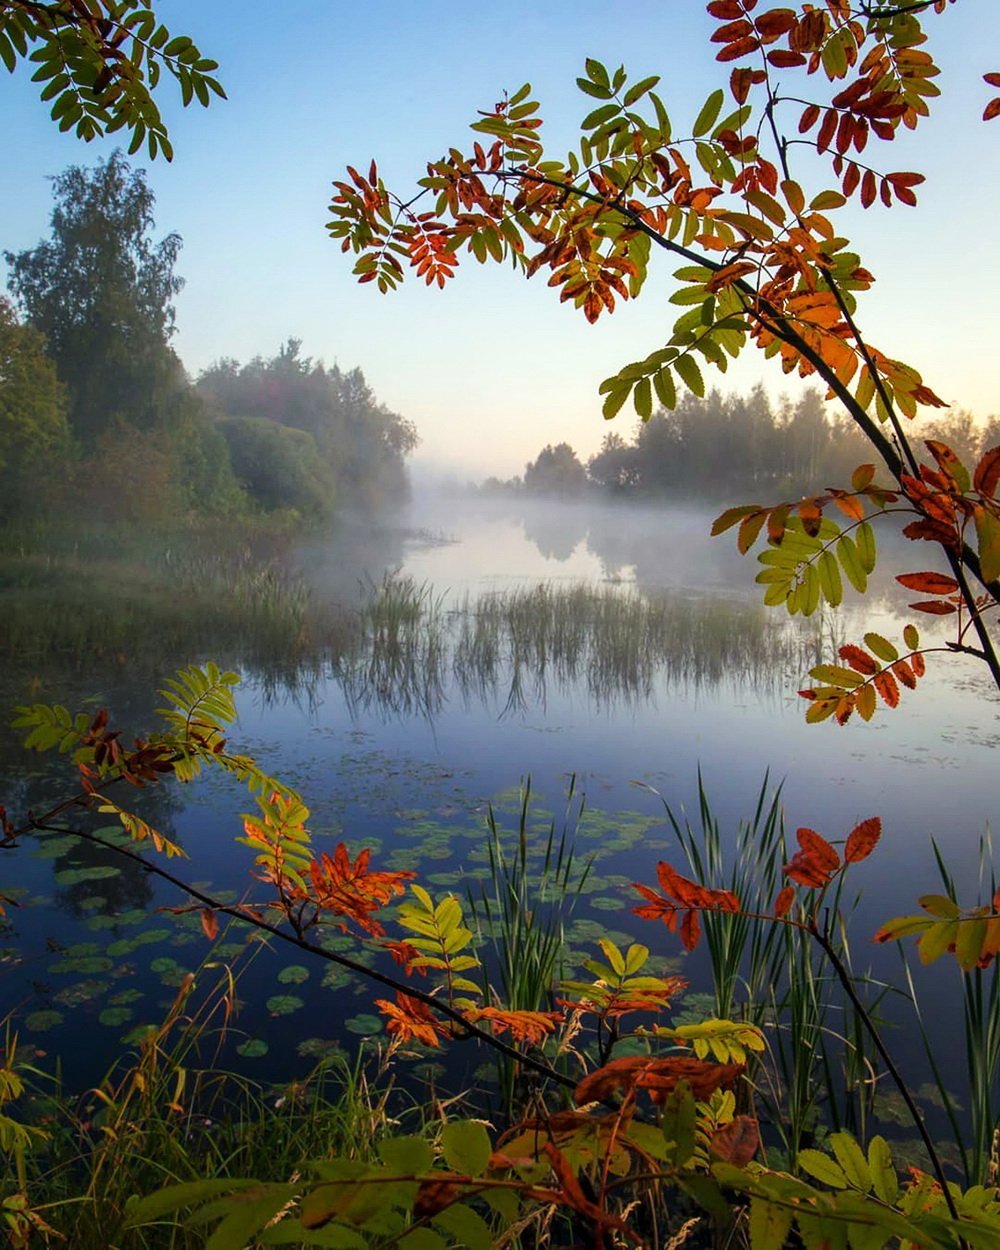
(493, 368)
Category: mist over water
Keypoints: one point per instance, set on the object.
(478, 642)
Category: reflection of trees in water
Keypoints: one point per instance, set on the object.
(556, 532)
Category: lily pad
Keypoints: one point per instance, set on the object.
(86, 965)
(73, 876)
(318, 1048)
(294, 974)
(39, 1021)
(115, 1016)
(252, 1048)
(283, 1004)
(366, 1024)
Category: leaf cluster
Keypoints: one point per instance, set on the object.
(99, 63)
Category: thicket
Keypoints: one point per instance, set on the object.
(100, 423)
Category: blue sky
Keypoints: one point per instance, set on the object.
(493, 368)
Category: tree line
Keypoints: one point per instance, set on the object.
(98, 417)
(722, 445)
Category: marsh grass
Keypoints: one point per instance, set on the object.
(128, 597)
(515, 644)
(819, 1068)
(535, 882)
(980, 1024)
(397, 663)
(170, 1115)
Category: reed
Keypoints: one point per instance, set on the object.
(535, 882)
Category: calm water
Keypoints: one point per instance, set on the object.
(411, 774)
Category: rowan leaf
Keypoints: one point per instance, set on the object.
(862, 840)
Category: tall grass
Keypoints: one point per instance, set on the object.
(775, 976)
(167, 1116)
(980, 1024)
(534, 885)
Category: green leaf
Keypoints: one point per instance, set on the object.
(881, 647)
(615, 399)
(988, 539)
(690, 375)
(597, 72)
(643, 398)
(466, 1146)
(822, 1168)
(249, 1217)
(639, 89)
(156, 1205)
(769, 1224)
(465, 1226)
(852, 1160)
(410, 1156)
(864, 538)
(709, 112)
(883, 1173)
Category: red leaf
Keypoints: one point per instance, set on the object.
(904, 673)
(859, 659)
(918, 663)
(736, 1142)
(887, 687)
(928, 583)
(776, 22)
(783, 903)
(741, 47)
(690, 930)
(992, 110)
(934, 607)
(809, 118)
(992, 79)
(659, 1076)
(862, 840)
(209, 924)
(782, 59)
(987, 475)
(818, 849)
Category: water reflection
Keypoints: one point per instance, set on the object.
(509, 649)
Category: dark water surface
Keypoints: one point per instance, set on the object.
(406, 755)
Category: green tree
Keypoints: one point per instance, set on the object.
(99, 61)
(101, 292)
(360, 446)
(35, 437)
(555, 471)
(614, 468)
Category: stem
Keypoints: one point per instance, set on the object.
(844, 977)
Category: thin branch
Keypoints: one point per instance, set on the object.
(242, 914)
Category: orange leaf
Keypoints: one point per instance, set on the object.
(411, 1019)
(934, 607)
(987, 475)
(736, 1142)
(209, 924)
(992, 110)
(818, 849)
(862, 840)
(887, 686)
(659, 1076)
(859, 659)
(928, 583)
(783, 903)
(690, 930)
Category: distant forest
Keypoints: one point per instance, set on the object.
(100, 422)
(724, 446)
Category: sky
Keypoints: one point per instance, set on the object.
(493, 368)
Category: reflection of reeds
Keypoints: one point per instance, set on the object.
(397, 664)
(518, 643)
